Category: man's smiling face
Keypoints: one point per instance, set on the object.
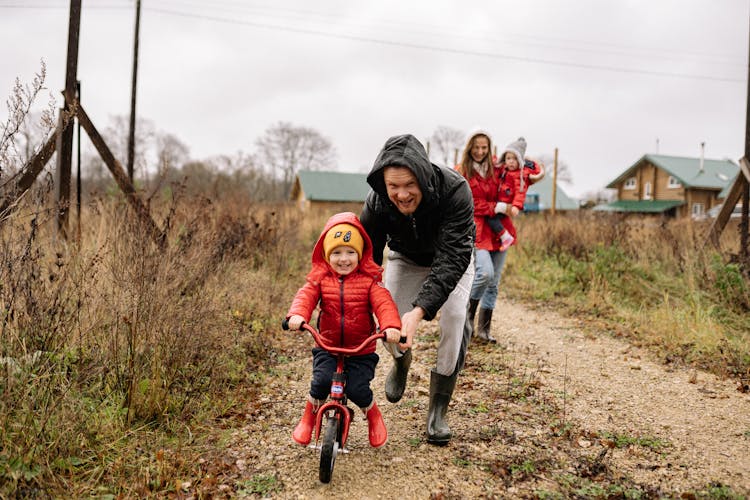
(403, 189)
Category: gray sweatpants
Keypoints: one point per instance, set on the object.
(404, 278)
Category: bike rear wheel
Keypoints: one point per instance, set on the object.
(329, 448)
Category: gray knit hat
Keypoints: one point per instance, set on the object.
(518, 148)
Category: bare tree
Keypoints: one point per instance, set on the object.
(564, 174)
(171, 154)
(285, 149)
(117, 134)
(447, 141)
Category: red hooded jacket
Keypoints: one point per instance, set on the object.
(347, 303)
(500, 185)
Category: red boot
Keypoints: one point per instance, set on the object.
(375, 426)
(303, 432)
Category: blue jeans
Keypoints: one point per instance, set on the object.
(488, 267)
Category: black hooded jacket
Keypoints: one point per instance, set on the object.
(439, 234)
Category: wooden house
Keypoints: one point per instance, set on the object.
(337, 191)
(671, 185)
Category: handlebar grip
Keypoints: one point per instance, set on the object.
(285, 324)
(402, 339)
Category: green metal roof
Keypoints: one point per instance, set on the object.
(716, 174)
(333, 186)
(725, 192)
(544, 189)
(639, 206)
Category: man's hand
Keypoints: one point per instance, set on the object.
(409, 323)
(392, 335)
(295, 321)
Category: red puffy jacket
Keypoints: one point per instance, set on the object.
(500, 185)
(347, 303)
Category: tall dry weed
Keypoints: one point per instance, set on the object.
(103, 338)
(652, 279)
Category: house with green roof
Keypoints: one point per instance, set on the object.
(674, 186)
(541, 193)
(326, 189)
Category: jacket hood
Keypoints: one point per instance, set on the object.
(403, 151)
(320, 265)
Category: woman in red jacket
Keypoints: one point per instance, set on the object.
(346, 282)
(492, 188)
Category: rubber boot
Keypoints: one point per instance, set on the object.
(483, 325)
(395, 383)
(303, 432)
(376, 430)
(471, 311)
(441, 391)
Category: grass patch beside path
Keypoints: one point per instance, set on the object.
(645, 280)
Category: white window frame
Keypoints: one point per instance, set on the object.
(673, 182)
(630, 183)
(647, 191)
(698, 209)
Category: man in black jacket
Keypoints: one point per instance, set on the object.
(425, 214)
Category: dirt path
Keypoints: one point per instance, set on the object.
(548, 413)
(613, 385)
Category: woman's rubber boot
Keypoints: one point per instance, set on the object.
(483, 325)
(395, 383)
(303, 432)
(471, 311)
(376, 430)
(441, 391)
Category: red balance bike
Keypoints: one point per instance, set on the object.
(334, 417)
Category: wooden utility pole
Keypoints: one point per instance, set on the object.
(131, 137)
(746, 185)
(65, 128)
(78, 171)
(741, 187)
(62, 140)
(554, 185)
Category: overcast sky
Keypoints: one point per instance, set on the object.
(604, 81)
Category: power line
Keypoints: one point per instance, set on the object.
(449, 50)
(395, 25)
(413, 45)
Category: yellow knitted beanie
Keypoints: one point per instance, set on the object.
(342, 235)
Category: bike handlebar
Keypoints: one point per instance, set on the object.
(334, 349)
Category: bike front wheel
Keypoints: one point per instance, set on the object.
(329, 448)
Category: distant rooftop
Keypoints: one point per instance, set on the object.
(332, 186)
(716, 174)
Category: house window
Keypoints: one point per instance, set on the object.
(673, 183)
(630, 183)
(647, 191)
(698, 209)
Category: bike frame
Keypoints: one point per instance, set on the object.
(338, 416)
(338, 383)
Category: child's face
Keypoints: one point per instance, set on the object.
(343, 260)
(511, 162)
(480, 148)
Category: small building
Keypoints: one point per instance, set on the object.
(674, 186)
(539, 197)
(337, 191)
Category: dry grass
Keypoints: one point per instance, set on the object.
(120, 359)
(114, 349)
(649, 279)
